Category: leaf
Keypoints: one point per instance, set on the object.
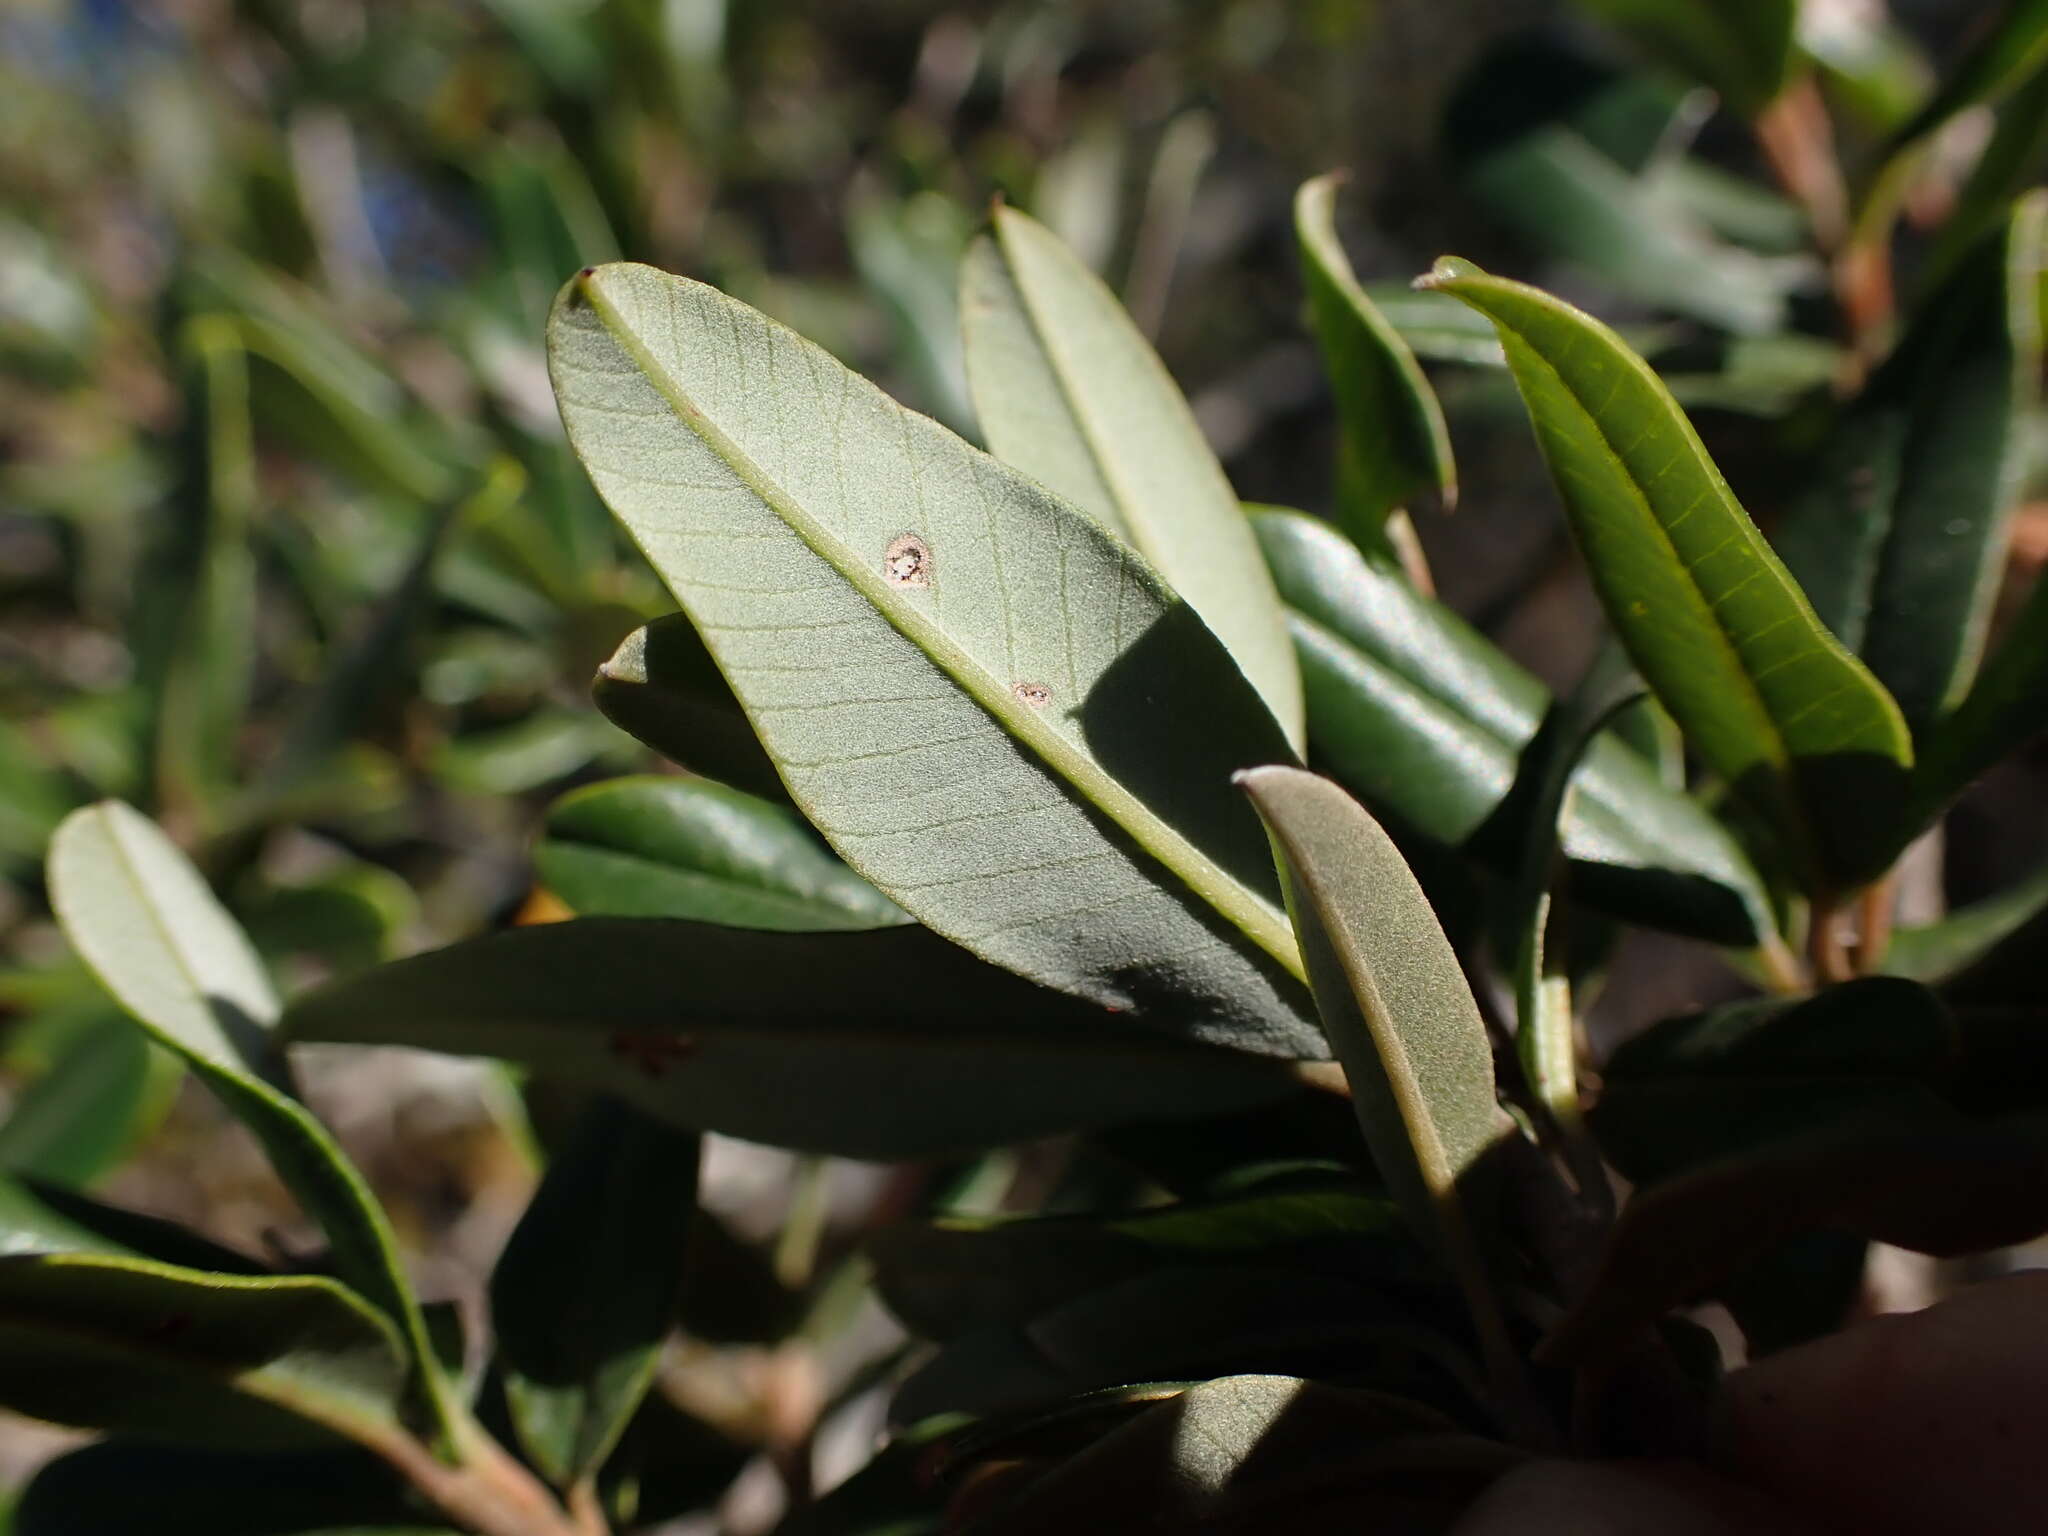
(1935, 1184)
(582, 1296)
(886, 1044)
(669, 847)
(122, 1486)
(991, 708)
(1742, 48)
(1901, 541)
(1071, 393)
(1437, 326)
(2006, 707)
(662, 688)
(2007, 53)
(37, 1217)
(1936, 951)
(1416, 712)
(142, 918)
(1393, 442)
(2011, 163)
(115, 1343)
(1710, 617)
(84, 1112)
(1398, 1010)
(906, 251)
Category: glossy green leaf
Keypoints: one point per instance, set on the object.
(1393, 443)
(885, 1044)
(1901, 541)
(1712, 620)
(991, 708)
(1071, 393)
(965, 1273)
(1418, 713)
(1933, 1183)
(583, 1294)
(671, 847)
(120, 1486)
(2004, 709)
(2005, 55)
(142, 917)
(1399, 1012)
(85, 1111)
(662, 688)
(116, 1343)
(1742, 48)
(1933, 952)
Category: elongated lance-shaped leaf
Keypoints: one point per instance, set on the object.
(143, 919)
(2011, 163)
(1935, 951)
(1713, 621)
(675, 847)
(992, 708)
(1416, 712)
(1901, 541)
(1069, 392)
(662, 688)
(106, 1342)
(1398, 1010)
(584, 1293)
(2006, 707)
(1392, 440)
(889, 1043)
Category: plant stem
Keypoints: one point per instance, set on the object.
(1830, 956)
(1798, 141)
(1874, 922)
(487, 1492)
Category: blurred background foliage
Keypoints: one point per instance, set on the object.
(293, 554)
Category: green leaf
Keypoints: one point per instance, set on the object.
(1071, 393)
(669, 847)
(1741, 48)
(886, 1044)
(1933, 1183)
(143, 919)
(1901, 541)
(1936, 951)
(116, 1343)
(583, 1294)
(1437, 326)
(662, 688)
(1393, 443)
(1416, 712)
(2006, 55)
(2011, 163)
(907, 252)
(84, 1112)
(122, 1486)
(991, 708)
(1712, 620)
(2005, 708)
(1399, 1013)
(36, 1217)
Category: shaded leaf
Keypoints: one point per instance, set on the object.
(927, 640)
(116, 1343)
(1417, 712)
(2007, 52)
(669, 847)
(2011, 163)
(582, 1296)
(1393, 442)
(1071, 393)
(1710, 617)
(42, 1218)
(1936, 951)
(662, 687)
(140, 915)
(2005, 708)
(889, 1043)
(1901, 541)
(86, 1110)
(1741, 48)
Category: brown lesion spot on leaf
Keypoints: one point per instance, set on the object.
(1037, 695)
(907, 562)
(650, 1050)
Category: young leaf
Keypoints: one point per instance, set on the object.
(117, 1343)
(886, 1044)
(662, 688)
(1393, 443)
(143, 919)
(1069, 392)
(991, 708)
(583, 1294)
(1712, 620)
(670, 847)
(1742, 48)
(1901, 542)
(1398, 1010)
(1415, 711)
(2006, 707)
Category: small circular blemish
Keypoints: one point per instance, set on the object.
(907, 562)
(1037, 695)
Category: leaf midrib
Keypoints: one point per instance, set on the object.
(1200, 873)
